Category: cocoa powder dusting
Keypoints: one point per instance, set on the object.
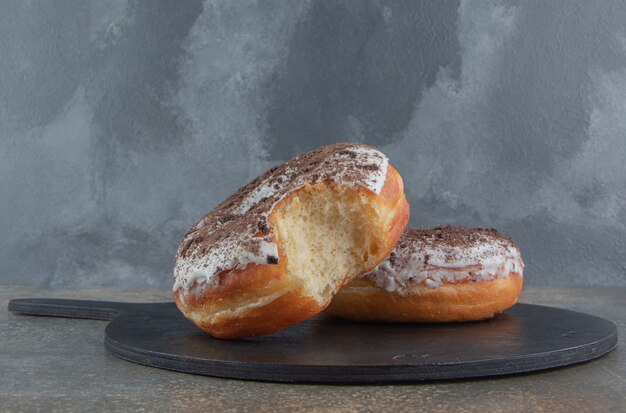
(447, 254)
(242, 219)
(448, 239)
(450, 236)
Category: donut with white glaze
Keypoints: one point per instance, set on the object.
(441, 274)
(275, 252)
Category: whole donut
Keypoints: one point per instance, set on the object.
(275, 252)
(441, 274)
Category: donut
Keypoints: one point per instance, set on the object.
(442, 274)
(276, 251)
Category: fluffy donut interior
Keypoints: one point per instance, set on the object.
(328, 232)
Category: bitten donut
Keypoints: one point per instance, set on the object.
(275, 252)
(437, 275)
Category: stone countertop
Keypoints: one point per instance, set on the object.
(60, 364)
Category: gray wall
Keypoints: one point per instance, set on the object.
(122, 122)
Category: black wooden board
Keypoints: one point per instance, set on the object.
(523, 339)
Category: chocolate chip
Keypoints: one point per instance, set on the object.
(263, 227)
(370, 167)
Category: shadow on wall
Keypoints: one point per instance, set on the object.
(357, 72)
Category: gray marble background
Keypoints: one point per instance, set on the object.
(122, 122)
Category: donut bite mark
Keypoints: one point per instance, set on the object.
(275, 252)
(442, 274)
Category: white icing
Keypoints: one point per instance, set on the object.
(238, 250)
(485, 260)
(205, 269)
(374, 182)
(365, 154)
(265, 190)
